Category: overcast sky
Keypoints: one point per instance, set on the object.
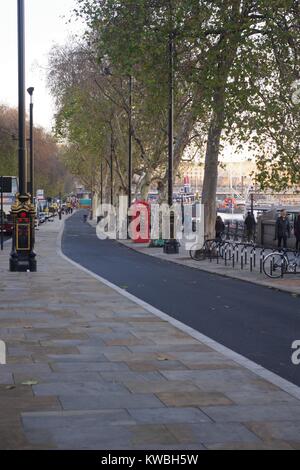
(46, 25)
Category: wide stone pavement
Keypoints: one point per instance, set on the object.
(88, 368)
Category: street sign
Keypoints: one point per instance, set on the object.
(5, 187)
(6, 184)
(40, 194)
(85, 203)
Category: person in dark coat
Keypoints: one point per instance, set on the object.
(220, 227)
(250, 225)
(282, 229)
(297, 231)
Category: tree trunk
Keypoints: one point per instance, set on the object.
(145, 186)
(210, 181)
(228, 46)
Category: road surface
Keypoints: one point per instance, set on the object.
(257, 322)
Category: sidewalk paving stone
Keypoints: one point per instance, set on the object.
(61, 377)
(110, 400)
(86, 388)
(210, 433)
(142, 377)
(261, 398)
(258, 446)
(95, 418)
(89, 366)
(171, 349)
(198, 398)
(243, 413)
(169, 415)
(160, 386)
(277, 431)
(225, 380)
(6, 378)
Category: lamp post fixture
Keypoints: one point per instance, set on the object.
(22, 257)
(31, 164)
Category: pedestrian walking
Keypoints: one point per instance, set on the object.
(282, 229)
(250, 225)
(220, 227)
(297, 231)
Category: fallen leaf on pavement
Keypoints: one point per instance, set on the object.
(30, 382)
(162, 358)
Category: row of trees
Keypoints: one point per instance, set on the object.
(236, 62)
(50, 172)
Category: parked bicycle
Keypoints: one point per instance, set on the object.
(212, 249)
(278, 263)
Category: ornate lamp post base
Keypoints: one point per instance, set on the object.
(23, 257)
(22, 264)
(171, 247)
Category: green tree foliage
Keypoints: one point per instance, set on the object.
(92, 102)
(235, 63)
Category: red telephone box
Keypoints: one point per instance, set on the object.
(140, 222)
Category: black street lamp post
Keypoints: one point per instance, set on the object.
(129, 155)
(22, 257)
(99, 218)
(130, 145)
(171, 121)
(171, 246)
(21, 91)
(111, 170)
(101, 182)
(31, 164)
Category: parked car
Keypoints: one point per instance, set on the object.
(7, 224)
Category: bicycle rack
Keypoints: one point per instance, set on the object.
(242, 257)
(282, 264)
(261, 260)
(210, 254)
(242, 254)
(234, 255)
(252, 259)
(225, 254)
